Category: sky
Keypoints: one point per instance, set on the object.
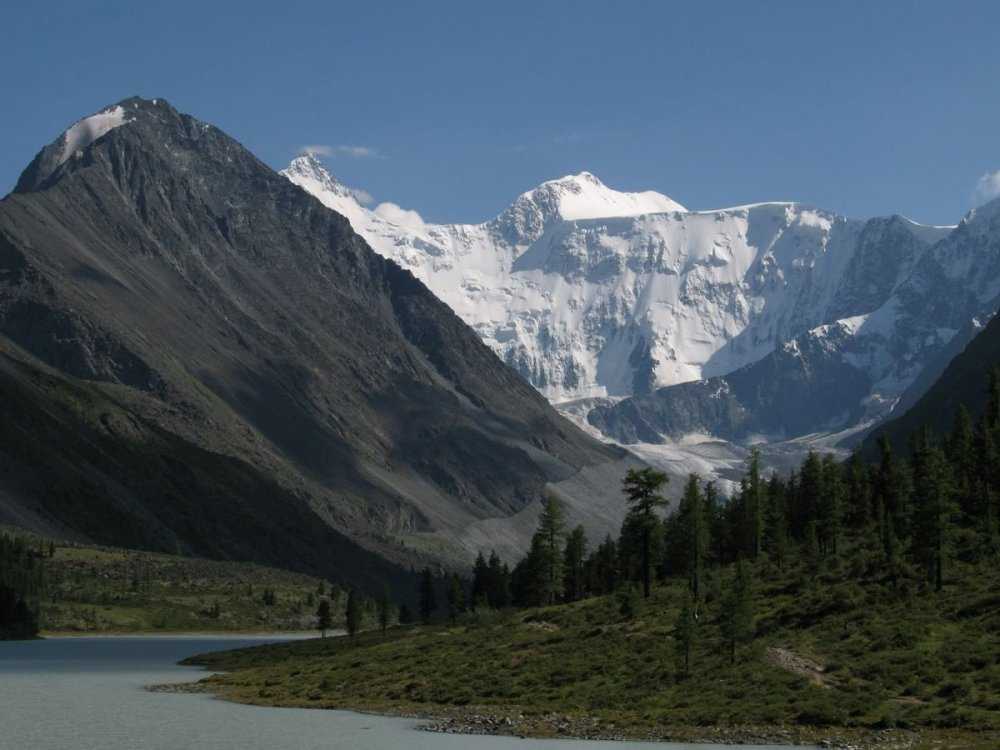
(452, 109)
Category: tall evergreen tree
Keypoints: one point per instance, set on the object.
(323, 619)
(642, 491)
(574, 583)
(551, 530)
(684, 635)
(352, 614)
(776, 522)
(481, 582)
(693, 534)
(384, 608)
(830, 511)
(934, 508)
(427, 600)
(753, 505)
(737, 610)
(456, 597)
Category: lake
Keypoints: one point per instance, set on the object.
(88, 694)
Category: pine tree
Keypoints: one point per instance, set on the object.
(428, 602)
(573, 565)
(352, 613)
(456, 597)
(499, 583)
(684, 635)
(776, 523)
(753, 505)
(324, 621)
(830, 515)
(481, 582)
(934, 507)
(737, 610)
(405, 615)
(384, 610)
(551, 529)
(961, 452)
(693, 534)
(642, 492)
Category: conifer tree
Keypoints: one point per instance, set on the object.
(642, 491)
(693, 534)
(551, 529)
(737, 610)
(352, 614)
(456, 597)
(830, 514)
(934, 508)
(684, 635)
(573, 565)
(427, 600)
(753, 505)
(384, 610)
(776, 523)
(324, 621)
(481, 583)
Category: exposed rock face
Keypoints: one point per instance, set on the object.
(849, 372)
(152, 263)
(589, 292)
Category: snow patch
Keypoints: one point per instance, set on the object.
(89, 129)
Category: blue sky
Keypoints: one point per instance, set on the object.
(454, 108)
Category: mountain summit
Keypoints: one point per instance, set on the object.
(225, 367)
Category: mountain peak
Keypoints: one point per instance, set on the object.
(581, 196)
(73, 142)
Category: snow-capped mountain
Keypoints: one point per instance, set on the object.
(590, 292)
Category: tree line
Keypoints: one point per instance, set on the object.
(22, 584)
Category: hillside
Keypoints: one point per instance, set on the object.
(197, 356)
(86, 590)
(831, 658)
(961, 384)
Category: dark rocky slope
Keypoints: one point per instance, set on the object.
(963, 383)
(227, 353)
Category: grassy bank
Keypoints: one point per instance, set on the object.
(109, 590)
(865, 663)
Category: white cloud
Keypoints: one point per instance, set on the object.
(362, 196)
(355, 152)
(317, 150)
(395, 214)
(987, 188)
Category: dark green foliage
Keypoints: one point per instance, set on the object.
(352, 613)
(426, 595)
(456, 597)
(324, 619)
(22, 583)
(574, 573)
(384, 610)
(642, 489)
(737, 609)
(684, 635)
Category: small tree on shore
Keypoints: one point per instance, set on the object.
(352, 616)
(324, 621)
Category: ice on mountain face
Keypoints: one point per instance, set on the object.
(591, 292)
(89, 129)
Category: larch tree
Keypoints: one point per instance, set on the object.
(642, 489)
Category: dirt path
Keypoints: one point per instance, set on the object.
(792, 662)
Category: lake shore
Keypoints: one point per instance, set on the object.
(515, 722)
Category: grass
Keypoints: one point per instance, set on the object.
(889, 658)
(110, 590)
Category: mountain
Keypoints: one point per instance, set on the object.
(963, 383)
(847, 373)
(771, 320)
(198, 356)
